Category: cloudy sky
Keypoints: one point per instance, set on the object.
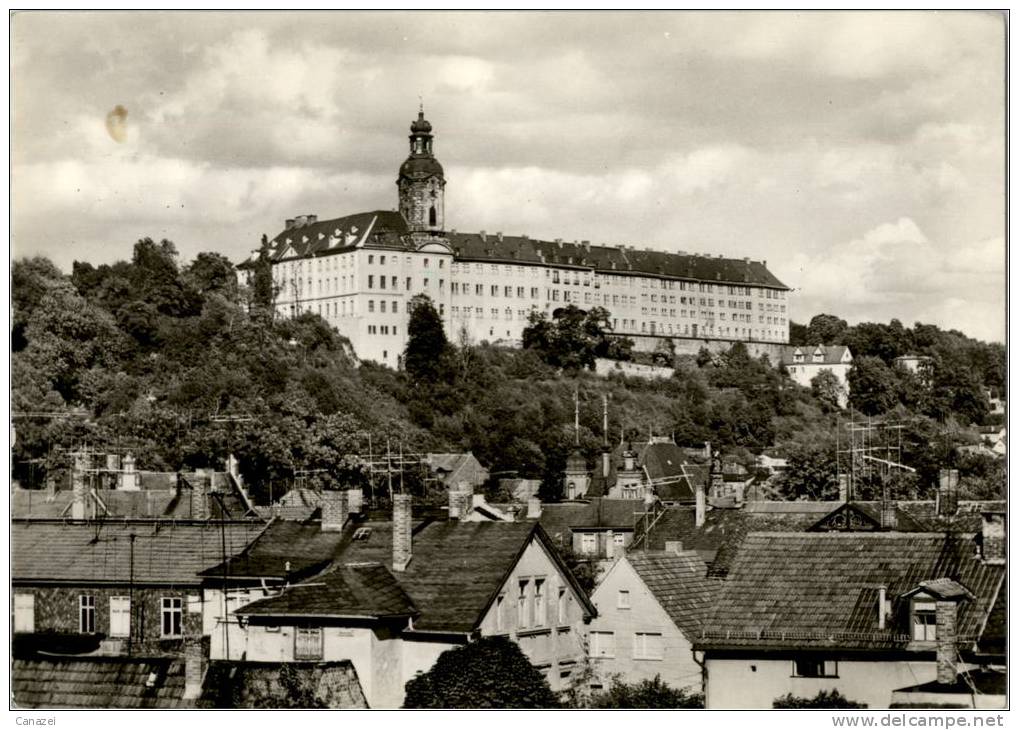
(861, 155)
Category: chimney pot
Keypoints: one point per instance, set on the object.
(700, 506)
(78, 462)
(946, 615)
(843, 487)
(335, 510)
(194, 668)
(992, 538)
(533, 508)
(674, 546)
(402, 547)
(355, 501)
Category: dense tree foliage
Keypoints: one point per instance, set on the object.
(427, 347)
(181, 366)
(491, 672)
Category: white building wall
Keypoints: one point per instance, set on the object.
(755, 683)
(551, 640)
(676, 665)
(492, 301)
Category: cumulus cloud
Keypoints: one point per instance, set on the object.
(860, 154)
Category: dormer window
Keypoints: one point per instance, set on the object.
(924, 619)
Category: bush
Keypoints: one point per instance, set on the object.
(651, 694)
(822, 700)
(491, 672)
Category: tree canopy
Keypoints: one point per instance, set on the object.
(491, 672)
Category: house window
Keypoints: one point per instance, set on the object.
(522, 605)
(24, 613)
(602, 644)
(172, 616)
(539, 602)
(499, 601)
(924, 621)
(647, 646)
(588, 543)
(307, 643)
(561, 607)
(120, 616)
(87, 614)
(618, 539)
(815, 667)
(623, 599)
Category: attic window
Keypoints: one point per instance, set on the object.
(924, 620)
(362, 533)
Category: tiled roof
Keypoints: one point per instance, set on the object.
(680, 584)
(304, 546)
(257, 684)
(379, 227)
(98, 683)
(41, 504)
(299, 504)
(457, 467)
(967, 517)
(787, 590)
(664, 464)
(164, 552)
(611, 259)
(599, 513)
(367, 589)
(830, 354)
(455, 572)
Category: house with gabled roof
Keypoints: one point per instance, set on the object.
(866, 613)
(652, 605)
(396, 594)
(803, 363)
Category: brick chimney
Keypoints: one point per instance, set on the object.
(288, 224)
(199, 498)
(882, 606)
(948, 492)
(78, 462)
(402, 548)
(993, 538)
(335, 510)
(355, 501)
(700, 506)
(194, 667)
(843, 487)
(460, 501)
(889, 511)
(533, 508)
(946, 616)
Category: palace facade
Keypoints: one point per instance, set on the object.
(360, 272)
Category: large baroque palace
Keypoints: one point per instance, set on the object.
(359, 272)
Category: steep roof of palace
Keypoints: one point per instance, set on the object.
(522, 249)
(830, 354)
(385, 228)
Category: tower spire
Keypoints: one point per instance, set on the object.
(421, 182)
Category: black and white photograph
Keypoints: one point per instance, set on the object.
(500, 360)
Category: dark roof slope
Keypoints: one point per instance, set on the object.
(600, 513)
(680, 584)
(367, 589)
(820, 589)
(383, 228)
(98, 683)
(455, 572)
(304, 546)
(164, 552)
(257, 684)
(610, 259)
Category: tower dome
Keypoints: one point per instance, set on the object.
(422, 182)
